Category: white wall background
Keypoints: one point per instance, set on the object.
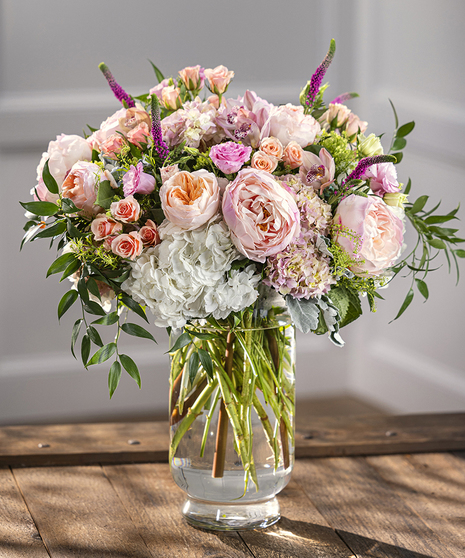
(409, 51)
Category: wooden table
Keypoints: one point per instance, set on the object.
(366, 486)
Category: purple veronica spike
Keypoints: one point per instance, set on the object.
(118, 91)
(160, 146)
(318, 76)
(363, 164)
(344, 97)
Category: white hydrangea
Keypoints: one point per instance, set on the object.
(185, 276)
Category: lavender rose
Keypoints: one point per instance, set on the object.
(230, 156)
(135, 181)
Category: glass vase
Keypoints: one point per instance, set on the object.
(232, 417)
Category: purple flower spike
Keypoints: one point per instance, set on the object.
(160, 146)
(118, 91)
(318, 76)
(363, 164)
(344, 97)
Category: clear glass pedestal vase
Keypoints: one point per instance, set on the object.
(232, 420)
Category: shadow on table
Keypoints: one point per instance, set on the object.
(298, 538)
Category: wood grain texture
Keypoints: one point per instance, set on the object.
(18, 534)
(87, 444)
(371, 518)
(433, 485)
(301, 532)
(153, 501)
(78, 514)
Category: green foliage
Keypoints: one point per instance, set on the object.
(137, 331)
(105, 194)
(114, 377)
(131, 368)
(398, 142)
(338, 146)
(347, 302)
(48, 179)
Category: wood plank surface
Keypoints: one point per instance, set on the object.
(325, 436)
(371, 517)
(78, 514)
(302, 532)
(153, 501)
(18, 534)
(433, 485)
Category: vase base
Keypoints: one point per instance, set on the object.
(220, 516)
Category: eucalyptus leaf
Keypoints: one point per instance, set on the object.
(67, 300)
(131, 368)
(114, 377)
(405, 129)
(399, 144)
(103, 354)
(137, 331)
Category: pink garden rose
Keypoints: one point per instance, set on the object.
(190, 199)
(61, 155)
(102, 227)
(127, 245)
(135, 181)
(81, 185)
(230, 156)
(171, 97)
(149, 234)
(317, 171)
(292, 155)
(218, 79)
(383, 178)
(126, 210)
(122, 121)
(289, 123)
(375, 233)
(261, 214)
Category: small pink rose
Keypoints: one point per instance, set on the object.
(171, 97)
(262, 216)
(149, 234)
(263, 161)
(158, 89)
(190, 199)
(378, 233)
(112, 146)
(139, 135)
(336, 114)
(127, 245)
(167, 172)
(135, 181)
(102, 227)
(229, 157)
(292, 155)
(354, 125)
(272, 146)
(126, 210)
(218, 79)
(133, 118)
(192, 77)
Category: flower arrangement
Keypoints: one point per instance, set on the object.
(197, 207)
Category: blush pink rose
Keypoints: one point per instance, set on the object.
(108, 127)
(149, 234)
(81, 185)
(126, 210)
(289, 123)
(171, 98)
(134, 117)
(336, 113)
(272, 146)
(193, 77)
(262, 215)
(190, 199)
(229, 157)
(139, 135)
(354, 125)
(112, 146)
(135, 181)
(383, 178)
(102, 227)
(263, 161)
(62, 154)
(218, 79)
(292, 155)
(378, 233)
(127, 245)
(158, 89)
(167, 172)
